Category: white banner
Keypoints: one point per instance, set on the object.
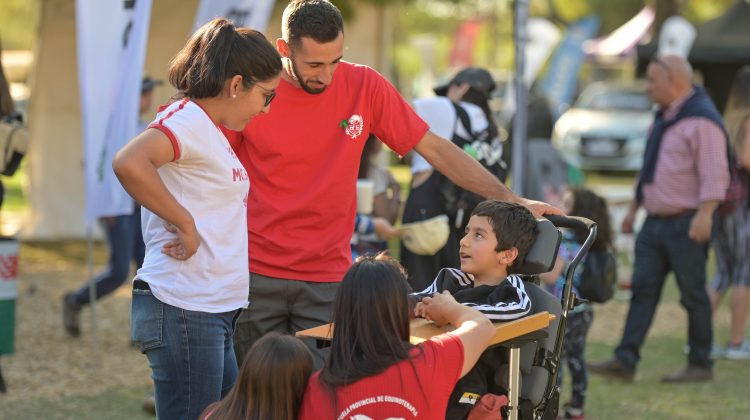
(245, 13)
(542, 38)
(676, 37)
(112, 37)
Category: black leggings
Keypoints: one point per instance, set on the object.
(574, 348)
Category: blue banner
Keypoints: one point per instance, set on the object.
(559, 84)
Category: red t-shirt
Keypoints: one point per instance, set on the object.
(400, 391)
(303, 159)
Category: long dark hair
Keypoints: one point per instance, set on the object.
(371, 318)
(218, 51)
(593, 207)
(481, 100)
(271, 382)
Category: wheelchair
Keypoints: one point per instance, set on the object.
(539, 361)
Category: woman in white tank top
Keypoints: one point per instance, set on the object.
(193, 190)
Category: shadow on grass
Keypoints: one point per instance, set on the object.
(647, 397)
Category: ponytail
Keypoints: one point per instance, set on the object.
(218, 51)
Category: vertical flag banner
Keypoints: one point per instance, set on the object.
(543, 36)
(112, 37)
(246, 13)
(561, 79)
(676, 37)
(462, 54)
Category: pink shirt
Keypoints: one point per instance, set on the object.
(691, 167)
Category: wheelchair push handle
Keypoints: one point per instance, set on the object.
(572, 222)
(578, 223)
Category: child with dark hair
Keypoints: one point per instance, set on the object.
(583, 203)
(373, 371)
(498, 238)
(270, 383)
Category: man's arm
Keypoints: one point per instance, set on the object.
(713, 175)
(702, 222)
(467, 173)
(629, 219)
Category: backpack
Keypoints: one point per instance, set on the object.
(14, 138)
(599, 276)
(458, 203)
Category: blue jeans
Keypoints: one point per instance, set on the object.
(125, 244)
(663, 246)
(190, 354)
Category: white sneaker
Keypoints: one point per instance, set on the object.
(741, 352)
(717, 352)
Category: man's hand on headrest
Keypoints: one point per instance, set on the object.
(540, 208)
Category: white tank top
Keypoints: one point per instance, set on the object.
(210, 182)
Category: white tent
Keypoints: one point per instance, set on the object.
(623, 40)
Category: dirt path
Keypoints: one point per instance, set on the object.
(48, 364)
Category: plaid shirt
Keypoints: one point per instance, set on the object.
(691, 168)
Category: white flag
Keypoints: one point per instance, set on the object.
(112, 38)
(244, 13)
(676, 37)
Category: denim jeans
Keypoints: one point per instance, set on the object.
(190, 354)
(125, 244)
(663, 246)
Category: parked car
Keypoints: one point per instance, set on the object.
(606, 128)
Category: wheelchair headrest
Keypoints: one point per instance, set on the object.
(543, 253)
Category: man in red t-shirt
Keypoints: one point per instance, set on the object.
(303, 159)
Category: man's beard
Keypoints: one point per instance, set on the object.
(302, 82)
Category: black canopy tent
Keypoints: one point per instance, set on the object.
(721, 47)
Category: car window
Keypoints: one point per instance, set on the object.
(615, 99)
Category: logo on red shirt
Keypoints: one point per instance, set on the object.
(353, 126)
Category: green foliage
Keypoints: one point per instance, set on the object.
(347, 6)
(17, 24)
(700, 11)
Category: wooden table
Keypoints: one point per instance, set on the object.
(505, 334)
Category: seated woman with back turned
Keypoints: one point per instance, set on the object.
(372, 370)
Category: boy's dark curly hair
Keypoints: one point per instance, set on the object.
(514, 226)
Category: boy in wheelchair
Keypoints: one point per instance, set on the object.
(498, 238)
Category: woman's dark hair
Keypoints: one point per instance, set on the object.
(218, 51)
(479, 99)
(371, 315)
(316, 19)
(271, 382)
(513, 226)
(593, 207)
